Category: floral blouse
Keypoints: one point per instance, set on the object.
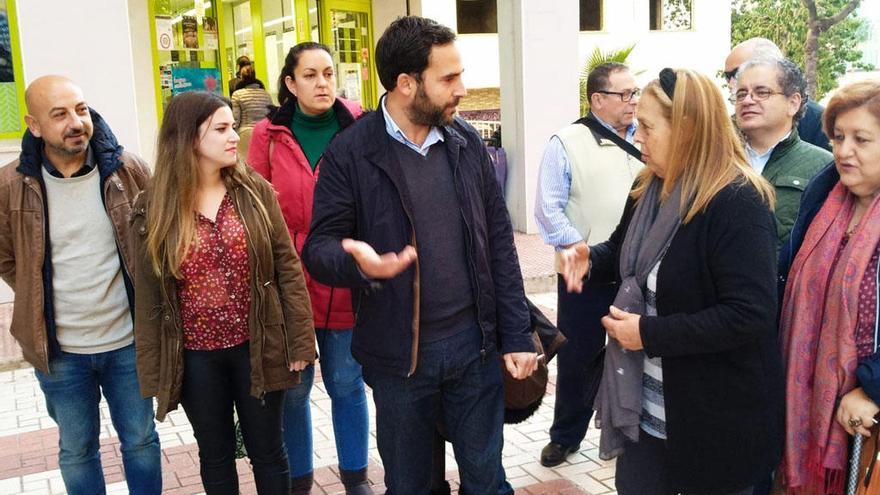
(214, 293)
(867, 312)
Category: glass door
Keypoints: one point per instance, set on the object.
(347, 31)
(238, 37)
(279, 35)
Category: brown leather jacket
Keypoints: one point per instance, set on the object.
(23, 232)
(280, 319)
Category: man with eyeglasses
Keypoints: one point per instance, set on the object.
(810, 125)
(769, 101)
(583, 183)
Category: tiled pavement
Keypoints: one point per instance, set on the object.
(29, 438)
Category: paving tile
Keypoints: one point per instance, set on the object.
(29, 438)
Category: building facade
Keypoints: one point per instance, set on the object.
(522, 56)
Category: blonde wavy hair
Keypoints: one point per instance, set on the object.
(705, 151)
(171, 214)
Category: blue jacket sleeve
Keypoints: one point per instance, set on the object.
(512, 313)
(868, 374)
(334, 217)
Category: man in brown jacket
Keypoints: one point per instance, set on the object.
(64, 250)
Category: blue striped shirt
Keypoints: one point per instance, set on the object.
(435, 135)
(554, 186)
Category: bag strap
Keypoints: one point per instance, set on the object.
(597, 127)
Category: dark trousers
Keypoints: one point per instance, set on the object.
(214, 381)
(579, 363)
(641, 469)
(452, 383)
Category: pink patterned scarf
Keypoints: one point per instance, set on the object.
(819, 316)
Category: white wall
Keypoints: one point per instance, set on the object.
(702, 49)
(479, 55)
(625, 23)
(539, 94)
(90, 41)
(442, 11)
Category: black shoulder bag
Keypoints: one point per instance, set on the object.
(597, 127)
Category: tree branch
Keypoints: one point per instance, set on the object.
(851, 6)
(811, 9)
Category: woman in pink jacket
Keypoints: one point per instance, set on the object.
(286, 148)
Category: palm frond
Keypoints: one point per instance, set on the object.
(597, 58)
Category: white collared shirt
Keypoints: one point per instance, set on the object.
(435, 135)
(759, 161)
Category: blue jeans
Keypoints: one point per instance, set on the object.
(345, 385)
(73, 390)
(454, 383)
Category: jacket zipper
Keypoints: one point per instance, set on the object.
(329, 308)
(258, 293)
(414, 355)
(39, 194)
(116, 237)
(473, 274)
(414, 352)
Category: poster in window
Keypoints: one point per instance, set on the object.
(194, 79)
(350, 78)
(164, 34)
(209, 27)
(10, 112)
(189, 25)
(6, 72)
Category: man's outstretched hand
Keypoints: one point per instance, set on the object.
(374, 265)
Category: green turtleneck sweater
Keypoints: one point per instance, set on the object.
(314, 132)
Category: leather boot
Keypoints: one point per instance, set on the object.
(302, 485)
(355, 482)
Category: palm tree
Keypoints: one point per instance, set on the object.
(598, 58)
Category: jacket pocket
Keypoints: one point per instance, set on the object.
(275, 355)
(789, 189)
(791, 181)
(272, 313)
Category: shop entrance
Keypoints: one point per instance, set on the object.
(186, 47)
(347, 31)
(197, 43)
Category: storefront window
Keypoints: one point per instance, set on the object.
(279, 33)
(314, 26)
(351, 52)
(188, 47)
(11, 108)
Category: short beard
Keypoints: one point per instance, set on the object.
(424, 112)
(68, 151)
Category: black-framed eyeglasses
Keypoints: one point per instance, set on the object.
(625, 96)
(730, 74)
(758, 94)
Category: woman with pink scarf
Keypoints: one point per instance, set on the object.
(829, 317)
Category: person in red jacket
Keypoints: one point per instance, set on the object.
(286, 148)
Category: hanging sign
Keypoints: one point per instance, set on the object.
(209, 28)
(164, 34)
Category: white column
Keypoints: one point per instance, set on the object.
(538, 49)
(94, 43)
